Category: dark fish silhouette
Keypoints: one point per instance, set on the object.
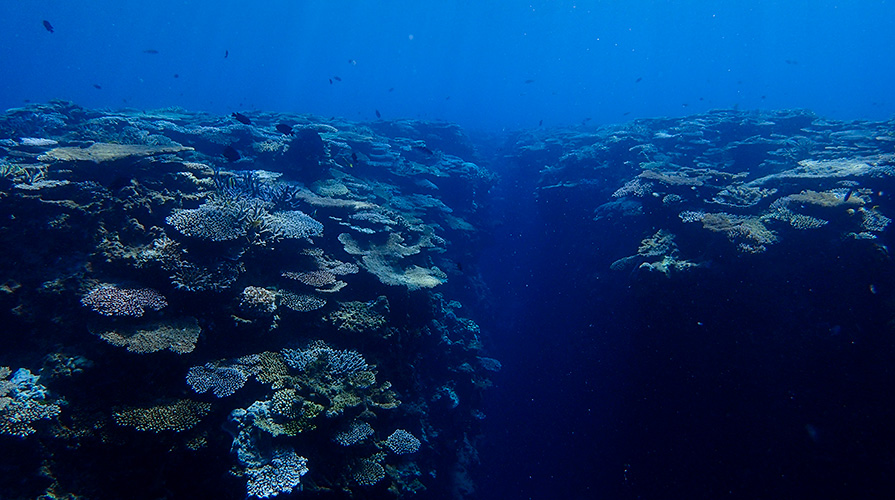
(529, 81)
(226, 54)
(336, 78)
(541, 122)
(378, 114)
(97, 87)
(639, 79)
(788, 61)
(354, 157)
(231, 154)
(150, 51)
(284, 129)
(176, 75)
(49, 26)
(241, 118)
(391, 89)
(330, 81)
(352, 62)
(424, 149)
(848, 194)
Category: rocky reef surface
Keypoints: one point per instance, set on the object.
(220, 307)
(714, 187)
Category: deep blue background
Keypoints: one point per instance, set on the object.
(564, 420)
(462, 61)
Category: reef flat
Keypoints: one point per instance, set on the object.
(218, 308)
(715, 187)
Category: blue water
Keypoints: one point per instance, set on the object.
(462, 61)
(581, 409)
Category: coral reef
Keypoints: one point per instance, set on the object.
(140, 232)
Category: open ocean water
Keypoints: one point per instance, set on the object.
(454, 249)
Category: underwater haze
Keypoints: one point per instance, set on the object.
(447, 249)
(485, 65)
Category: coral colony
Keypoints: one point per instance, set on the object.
(219, 273)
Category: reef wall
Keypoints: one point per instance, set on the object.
(231, 306)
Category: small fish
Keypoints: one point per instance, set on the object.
(353, 157)
(241, 118)
(284, 129)
(97, 87)
(639, 79)
(226, 54)
(788, 61)
(176, 75)
(330, 81)
(540, 123)
(150, 51)
(424, 149)
(460, 266)
(336, 78)
(848, 194)
(48, 26)
(231, 154)
(529, 81)
(391, 89)
(352, 62)
(378, 114)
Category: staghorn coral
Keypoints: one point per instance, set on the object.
(211, 222)
(23, 401)
(301, 302)
(178, 416)
(257, 301)
(360, 317)
(223, 381)
(178, 335)
(368, 472)
(402, 442)
(280, 475)
(357, 431)
(317, 279)
(109, 300)
(336, 363)
(193, 278)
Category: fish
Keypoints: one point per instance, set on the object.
(231, 154)
(48, 26)
(529, 81)
(241, 118)
(541, 122)
(788, 61)
(150, 51)
(378, 114)
(848, 194)
(424, 149)
(330, 81)
(284, 129)
(336, 78)
(97, 87)
(353, 157)
(639, 79)
(226, 54)
(391, 89)
(176, 75)
(352, 62)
